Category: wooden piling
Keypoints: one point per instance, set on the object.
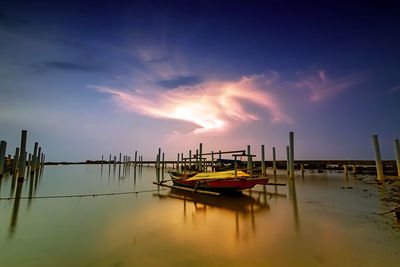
(109, 161)
(378, 160)
(182, 162)
(263, 170)
(135, 158)
(197, 159)
(22, 154)
(201, 157)
(156, 163)
(190, 160)
(249, 161)
(291, 151)
(345, 169)
(302, 168)
(163, 160)
(3, 148)
(34, 156)
(354, 169)
(397, 152)
(212, 161)
(177, 163)
(159, 158)
(287, 160)
(235, 165)
(274, 160)
(38, 158)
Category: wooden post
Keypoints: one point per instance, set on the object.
(109, 161)
(201, 156)
(22, 154)
(177, 163)
(102, 160)
(263, 170)
(397, 152)
(21, 168)
(212, 161)
(287, 160)
(274, 160)
(135, 158)
(190, 160)
(34, 156)
(156, 163)
(236, 167)
(248, 159)
(354, 169)
(163, 160)
(291, 150)
(182, 163)
(345, 169)
(197, 159)
(159, 158)
(378, 160)
(38, 157)
(302, 168)
(3, 147)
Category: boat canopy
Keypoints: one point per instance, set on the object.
(218, 175)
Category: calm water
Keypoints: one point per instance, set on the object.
(312, 222)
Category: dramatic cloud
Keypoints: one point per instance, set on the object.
(212, 106)
(322, 87)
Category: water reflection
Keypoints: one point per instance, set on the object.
(33, 183)
(14, 215)
(293, 198)
(246, 205)
(134, 177)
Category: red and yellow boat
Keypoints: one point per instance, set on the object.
(223, 182)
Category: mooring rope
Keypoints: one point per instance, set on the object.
(84, 195)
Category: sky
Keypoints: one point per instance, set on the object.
(92, 78)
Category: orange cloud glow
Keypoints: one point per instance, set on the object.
(212, 106)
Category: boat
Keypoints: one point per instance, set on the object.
(222, 181)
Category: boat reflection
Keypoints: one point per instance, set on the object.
(244, 205)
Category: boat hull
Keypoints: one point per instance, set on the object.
(220, 185)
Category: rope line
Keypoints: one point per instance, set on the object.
(84, 195)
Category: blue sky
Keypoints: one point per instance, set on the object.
(87, 79)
